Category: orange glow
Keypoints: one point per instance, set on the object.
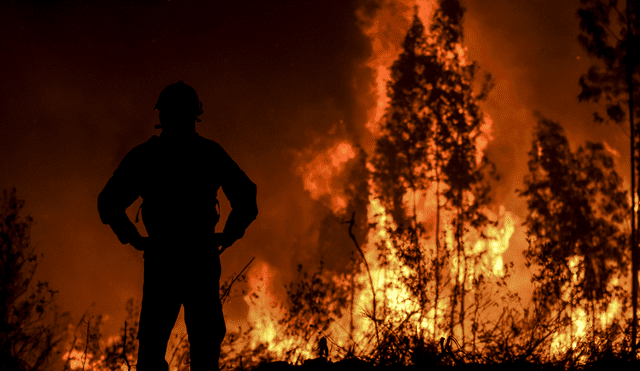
(319, 174)
(75, 359)
(485, 137)
(264, 309)
(472, 257)
(382, 77)
(274, 76)
(386, 33)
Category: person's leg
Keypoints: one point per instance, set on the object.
(206, 329)
(160, 308)
(203, 315)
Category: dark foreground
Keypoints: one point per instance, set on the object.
(357, 365)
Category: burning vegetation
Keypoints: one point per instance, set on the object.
(426, 283)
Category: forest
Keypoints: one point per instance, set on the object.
(426, 284)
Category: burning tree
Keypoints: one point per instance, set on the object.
(31, 327)
(576, 211)
(608, 33)
(429, 154)
(434, 244)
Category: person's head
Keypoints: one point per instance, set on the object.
(179, 108)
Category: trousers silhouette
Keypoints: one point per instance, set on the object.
(192, 280)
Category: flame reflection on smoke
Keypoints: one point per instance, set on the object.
(319, 174)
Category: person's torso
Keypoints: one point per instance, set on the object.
(178, 184)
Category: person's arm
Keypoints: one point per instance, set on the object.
(120, 192)
(241, 193)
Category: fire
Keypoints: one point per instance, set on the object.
(388, 280)
(75, 359)
(498, 242)
(79, 359)
(265, 311)
(392, 295)
(382, 76)
(485, 137)
(320, 173)
(384, 294)
(266, 314)
(386, 32)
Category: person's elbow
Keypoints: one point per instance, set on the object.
(243, 199)
(107, 208)
(254, 212)
(103, 208)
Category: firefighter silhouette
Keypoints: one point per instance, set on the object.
(178, 174)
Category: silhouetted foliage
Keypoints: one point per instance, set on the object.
(429, 143)
(92, 350)
(604, 35)
(402, 168)
(576, 210)
(31, 326)
(314, 300)
(608, 33)
(126, 343)
(430, 147)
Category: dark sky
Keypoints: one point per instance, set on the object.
(278, 80)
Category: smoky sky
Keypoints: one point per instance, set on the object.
(277, 79)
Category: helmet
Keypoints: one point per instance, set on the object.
(180, 98)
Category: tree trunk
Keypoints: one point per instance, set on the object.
(437, 260)
(461, 260)
(630, 64)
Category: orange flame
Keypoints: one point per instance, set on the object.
(264, 309)
(386, 32)
(319, 174)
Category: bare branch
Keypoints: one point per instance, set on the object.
(225, 295)
(86, 346)
(373, 291)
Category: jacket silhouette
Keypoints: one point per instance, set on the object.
(178, 175)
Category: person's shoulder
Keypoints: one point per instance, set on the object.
(149, 145)
(209, 144)
(212, 150)
(206, 141)
(144, 148)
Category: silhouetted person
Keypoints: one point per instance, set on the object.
(178, 175)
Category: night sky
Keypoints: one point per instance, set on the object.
(279, 81)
